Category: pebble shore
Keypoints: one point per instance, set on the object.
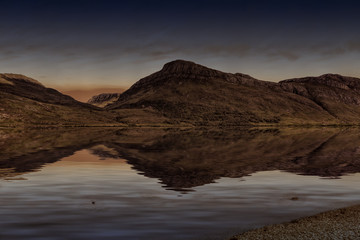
(342, 223)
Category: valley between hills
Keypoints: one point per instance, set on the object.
(187, 94)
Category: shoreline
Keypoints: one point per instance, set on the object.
(340, 223)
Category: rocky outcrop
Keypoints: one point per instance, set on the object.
(104, 99)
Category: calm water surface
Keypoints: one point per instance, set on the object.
(171, 185)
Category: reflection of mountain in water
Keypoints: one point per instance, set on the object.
(188, 158)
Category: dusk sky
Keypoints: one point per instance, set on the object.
(115, 43)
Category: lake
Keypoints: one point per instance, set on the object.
(152, 183)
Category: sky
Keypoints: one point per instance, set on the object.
(82, 44)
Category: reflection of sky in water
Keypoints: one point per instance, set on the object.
(57, 202)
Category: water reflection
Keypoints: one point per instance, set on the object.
(185, 158)
(104, 183)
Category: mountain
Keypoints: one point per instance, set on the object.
(25, 101)
(104, 99)
(187, 92)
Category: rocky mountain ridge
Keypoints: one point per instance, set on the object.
(187, 93)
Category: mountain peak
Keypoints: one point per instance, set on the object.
(181, 66)
(330, 75)
(188, 67)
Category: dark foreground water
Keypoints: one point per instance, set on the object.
(170, 184)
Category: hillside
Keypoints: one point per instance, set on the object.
(25, 101)
(187, 92)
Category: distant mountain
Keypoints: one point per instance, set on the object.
(104, 99)
(83, 94)
(187, 92)
(25, 101)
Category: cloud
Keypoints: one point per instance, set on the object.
(333, 52)
(281, 54)
(353, 46)
(340, 48)
(108, 49)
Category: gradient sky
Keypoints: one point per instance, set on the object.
(88, 43)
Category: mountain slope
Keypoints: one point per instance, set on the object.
(185, 91)
(25, 101)
(338, 95)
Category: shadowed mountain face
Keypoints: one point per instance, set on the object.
(192, 93)
(183, 159)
